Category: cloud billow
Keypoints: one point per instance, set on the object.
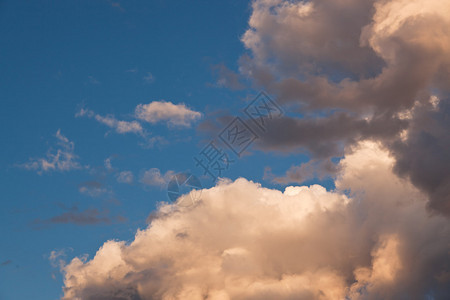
(243, 241)
(373, 70)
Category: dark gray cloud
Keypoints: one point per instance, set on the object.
(424, 156)
(324, 137)
(312, 169)
(73, 215)
(371, 70)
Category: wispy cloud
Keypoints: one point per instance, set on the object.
(61, 159)
(119, 126)
(73, 215)
(125, 177)
(92, 188)
(226, 78)
(6, 262)
(108, 164)
(93, 80)
(149, 78)
(312, 169)
(163, 111)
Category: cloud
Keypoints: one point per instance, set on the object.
(92, 188)
(73, 215)
(119, 126)
(154, 177)
(312, 169)
(226, 77)
(5, 263)
(108, 164)
(149, 78)
(63, 159)
(93, 80)
(353, 70)
(162, 111)
(125, 177)
(243, 241)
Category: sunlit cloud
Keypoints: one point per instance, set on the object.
(62, 158)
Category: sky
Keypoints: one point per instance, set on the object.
(316, 134)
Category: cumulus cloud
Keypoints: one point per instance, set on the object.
(353, 70)
(154, 177)
(244, 241)
(62, 159)
(162, 111)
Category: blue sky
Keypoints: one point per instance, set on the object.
(61, 56)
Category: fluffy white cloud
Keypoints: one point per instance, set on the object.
(162, 111)
(63, 159)
(154, 177)
(243, 241)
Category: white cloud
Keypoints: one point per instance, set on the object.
(125, 177)
(153, 177)
(63, 159)
(162, 111)
(243, 241)
(118, 125)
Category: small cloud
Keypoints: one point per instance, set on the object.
(85, 113)
(107, 163)
(153, 177)
(310, 170)
(63, 159)
(119, 126)
(6, 262)
(90, 216)
(162, 111)
(92, 188)
(125, 177)
(93, 80)
(226, 78)
(134, 70)
(57, 258)
(149, 78)
(116, 4)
